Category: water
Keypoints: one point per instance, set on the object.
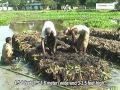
(35, 25)
(5, 31)
(115, 81)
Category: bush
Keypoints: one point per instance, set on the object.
(118, 6)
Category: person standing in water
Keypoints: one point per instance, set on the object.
(7, 51)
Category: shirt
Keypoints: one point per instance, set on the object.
(79, 28)
(7, 51)
(48, 24)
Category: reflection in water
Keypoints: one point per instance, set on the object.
(35, 25)
(31, 25)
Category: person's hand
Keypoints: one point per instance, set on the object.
(45, 55)
(65, 36)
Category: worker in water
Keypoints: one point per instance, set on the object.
(49, 37)
(7, 51)
(80, 37)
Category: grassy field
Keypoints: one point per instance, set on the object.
(69, 18)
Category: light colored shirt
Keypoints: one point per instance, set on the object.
(79, 28)
(7, 51)
(48, 24)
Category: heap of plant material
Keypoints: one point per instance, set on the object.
(109, 49)
(25, 42)
(64, 65)
(73, 67)
(106, 34)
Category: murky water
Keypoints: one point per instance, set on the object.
(34, 25)
(5, 31)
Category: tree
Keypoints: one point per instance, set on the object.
(118, 6)
(23, 3)
(69, 2)
(48, 2)
(4, 3)
(72, 2)
(91, 3)
(105, 1)
(83, 3)
(15, 3)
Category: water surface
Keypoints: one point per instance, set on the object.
(34, 25)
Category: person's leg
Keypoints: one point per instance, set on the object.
(2, 60)
(84, 50)
(47, 44)
(85, 42)
(81, 50)
(7, 62)
(80, 44)
(53, 45)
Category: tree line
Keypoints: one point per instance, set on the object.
(89, 3)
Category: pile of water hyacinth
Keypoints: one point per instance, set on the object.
(65, 64)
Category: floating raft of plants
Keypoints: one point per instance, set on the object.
(64, 65)
(106, 34)
(108, 49)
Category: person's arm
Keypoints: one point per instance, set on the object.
(9, 51)
(54, 47)
(43, 38)
(73, 37)
(43, 45)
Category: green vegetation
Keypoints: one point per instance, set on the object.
(88, 3)
(93, 19)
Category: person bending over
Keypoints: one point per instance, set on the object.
(49, 37)
(80, 37)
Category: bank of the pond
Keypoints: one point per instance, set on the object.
(92, 19)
